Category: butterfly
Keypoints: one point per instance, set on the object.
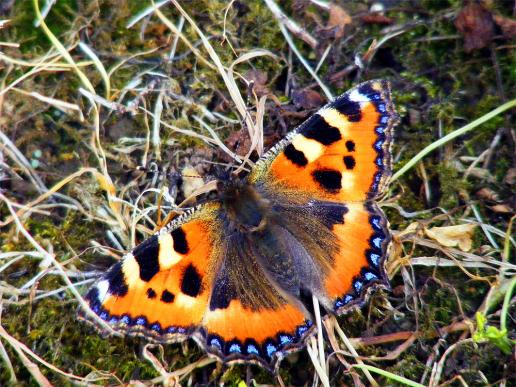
(238, 274)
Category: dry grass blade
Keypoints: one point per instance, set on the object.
(64, 106)
(292, 45)
(100, 67)
(312, 349)
(122, 125)
(56, 264)
(352, 350)
(8, 364)
(229, 81)
(29, 365)
(22, 351)
(291, 25)
(62, 50)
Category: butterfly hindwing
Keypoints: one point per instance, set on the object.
(193, 279)
(347, 243)
(249, 318)
(341, 153)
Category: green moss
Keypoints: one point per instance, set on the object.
(409, 367)
(437, 88)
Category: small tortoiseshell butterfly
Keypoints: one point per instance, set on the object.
(237, 274)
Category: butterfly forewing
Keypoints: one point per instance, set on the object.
(342, 153)
(161, 289)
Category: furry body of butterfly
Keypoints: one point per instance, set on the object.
(237, 274)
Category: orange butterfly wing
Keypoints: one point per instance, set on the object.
(161, 288)
(238, 294)
(188, 281)
(342, 154)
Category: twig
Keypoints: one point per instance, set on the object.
(290, 24)
(436, 375)
(292, 45)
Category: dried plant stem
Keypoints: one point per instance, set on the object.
(57, 265)
(290, 24)
(351, 349)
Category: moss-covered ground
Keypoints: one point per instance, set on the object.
(425, 329)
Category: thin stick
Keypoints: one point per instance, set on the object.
(292, 45)
(351, 349)
(290, 24)
(310, 347)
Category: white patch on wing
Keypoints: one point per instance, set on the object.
(103, 289)
(348, 180)
(354, 210)
(184, 301)
(336, 119)
(356, 96)
(168, 257)
(312, 149)
(131, 270)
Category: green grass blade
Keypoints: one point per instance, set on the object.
(452, 135)
(389, 375)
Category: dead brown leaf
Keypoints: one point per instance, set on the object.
(339, 19)
(501, 209)
(239, 142)
(508, 26)
(453, 236)
(376, 18)
(476, 25)
(307, 99)
(487, 194)
(192, 181)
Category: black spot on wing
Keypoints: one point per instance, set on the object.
(295, 156)
(369, 92)
(180, 243)
(116, 279)
(329, 179)
(222, 294)
(350, 146)
(349, 108)
(93, 299)
(349, 162)
(191, 282)
(147, 256)
(319, 130)
(328, 213)
(167, 297)
(151, 293)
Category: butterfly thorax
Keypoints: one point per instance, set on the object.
(247, 209)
